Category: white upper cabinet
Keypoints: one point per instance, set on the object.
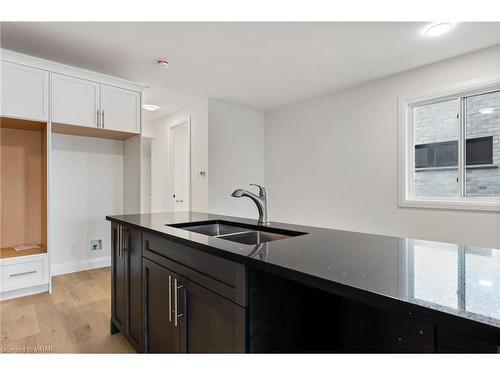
(120, 109)
(75, 101)
(81, 102)
(24, 92)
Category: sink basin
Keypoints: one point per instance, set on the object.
(237, 232)
(254, 237)
(214, 230)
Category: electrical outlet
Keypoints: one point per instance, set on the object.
(95, 245)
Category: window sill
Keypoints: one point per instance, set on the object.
(479, 166)
(471, 204)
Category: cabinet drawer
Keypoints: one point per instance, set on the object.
(24, 273)
(220, 275)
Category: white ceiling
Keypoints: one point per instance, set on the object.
(258, 65)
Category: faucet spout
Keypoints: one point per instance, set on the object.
(259, 200)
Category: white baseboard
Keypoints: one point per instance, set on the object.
(82, 265)
(24, 292)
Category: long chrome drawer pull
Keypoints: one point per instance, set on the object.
(22, 273)
(169, 298)
(176, 303)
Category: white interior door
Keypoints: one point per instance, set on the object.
(180, 157)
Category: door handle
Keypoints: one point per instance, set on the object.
(124, 240)
(121, 242)
(22, 273)
(169, 298)
(118, 246)
(176, 302)
(97, 118)
(102, 122)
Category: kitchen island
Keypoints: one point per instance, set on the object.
(177, 286)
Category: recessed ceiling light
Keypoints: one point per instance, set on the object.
(437, 29)
(486, 283)
(486, 111)
(150, 107)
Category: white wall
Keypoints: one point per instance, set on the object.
(132, 161)
(86, 185)
(236, 157)
(332, 161)
(146, 175)
(160, 158)
(227, 142)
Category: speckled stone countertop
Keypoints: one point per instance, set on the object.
(455, 280)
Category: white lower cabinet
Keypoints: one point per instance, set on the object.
(18, 274)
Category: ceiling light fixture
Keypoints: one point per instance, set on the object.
(437, 29)
(150, 107)
(486, 111)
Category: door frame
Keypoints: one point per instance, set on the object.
(171, 125)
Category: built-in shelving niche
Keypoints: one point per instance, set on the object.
(23, 186)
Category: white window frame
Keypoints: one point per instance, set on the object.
(406, 153)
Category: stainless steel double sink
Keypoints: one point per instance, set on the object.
(237, 232)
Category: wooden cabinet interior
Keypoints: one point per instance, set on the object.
(23, 179)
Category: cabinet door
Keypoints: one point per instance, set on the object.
(118, 278)
(162, 335)
(211, 323)
(24, 92)
(120, 109)
(133, 289)
(75, 101)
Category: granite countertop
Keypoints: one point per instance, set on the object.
(457, 280)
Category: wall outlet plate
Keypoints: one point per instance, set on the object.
(95, 245)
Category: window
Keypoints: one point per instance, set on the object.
(451, 151)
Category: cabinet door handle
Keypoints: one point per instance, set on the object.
(176, 302)
(124, 241)
(22, 273)
(102, 122)
(169, 298)
(119, 241)
(97, 118)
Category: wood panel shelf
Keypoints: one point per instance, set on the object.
(85, 131)
(10, 252)
(23, 186)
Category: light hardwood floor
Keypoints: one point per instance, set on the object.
(73, 319)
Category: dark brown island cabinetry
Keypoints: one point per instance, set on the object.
(174, 295)
(183, 317)
(170, 298)
(126, 284)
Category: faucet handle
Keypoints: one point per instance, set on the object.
(262, 190)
